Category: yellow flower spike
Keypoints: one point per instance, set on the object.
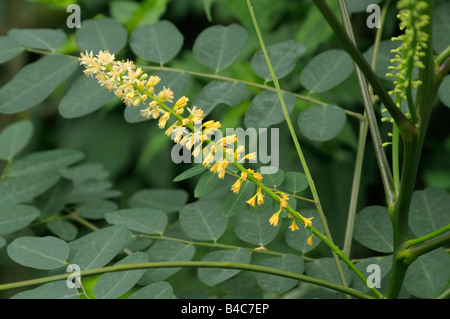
(293, 226)
(275, 217)
(307, 221)
(310, 240)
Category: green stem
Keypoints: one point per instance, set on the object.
(405, 126)
(202, 264)
(383, 164)
(443, 55)
(296, 143)
(228, 79)
(411, 254)
(355, 187)
(419, 240)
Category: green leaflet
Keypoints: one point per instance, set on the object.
(326, 70)
(102, 247)
(202, 220)
(373, 228)
(265, 109)
(166, 200)
(159, 42)
(322, 123)
(428, 275)
(44, 39)
(84, 96)
(51, 290)
(157, 290)
(255, 229)
(219, 92)
(44, 161)
(218, 46)
(14, 138)
(429, 211)
(143, 220)
(277, 284)
(39, 252)
(14, 217)
(9, 48)
(115, 284)
(214, 276)
(282, 57)
(35, 82)
(101, 34)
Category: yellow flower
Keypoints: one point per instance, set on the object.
(275, 217)
(163, 120)
(220, 167)
(310, 240)
(252, 200)
(236, 186)
(182, 102)
(259, 196)
(244, 176)
(283, 200)
(307, 221)
(293, 226)
(257, 176)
